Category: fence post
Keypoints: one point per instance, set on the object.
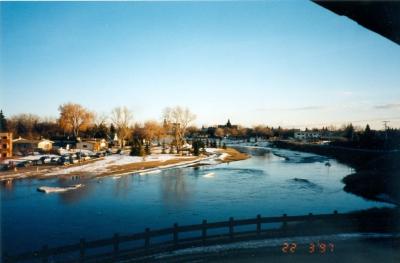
(116, 244)
(45, 254)
(82, 249)
(334, 219)
(258, 224)
(176, 235)
(204, 232)
(147, 238)
(231, 228)
(284, 222)
(310, 220)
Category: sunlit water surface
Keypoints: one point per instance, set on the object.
(264, 184)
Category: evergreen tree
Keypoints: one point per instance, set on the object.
(147, 148)
(3, 122)
(367, 129)
(349, 132)
(112, 130)
(137, 148)
(163, 148)
(196, 148)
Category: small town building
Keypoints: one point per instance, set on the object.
(92, 145)
(45, 145)
(228, 125)
(6, 145)
(23, 146)
(307, 135)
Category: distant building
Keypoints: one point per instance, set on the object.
(6, 145)
(228, 125)
(23, 146)
(307, 135)
(92, 145)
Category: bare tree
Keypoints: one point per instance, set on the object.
(122, 118)
(152, 130)
(178, 119)
(74, 118)
(24, 124)
(100, 119)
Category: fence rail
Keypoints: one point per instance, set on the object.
(348, 222)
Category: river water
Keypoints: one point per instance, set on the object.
(271, 182)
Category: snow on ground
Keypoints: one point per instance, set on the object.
(260, 143)
(103, 165)
(212, 150)
(272, 242)
(223, 156)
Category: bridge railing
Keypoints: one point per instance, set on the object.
(231, 226)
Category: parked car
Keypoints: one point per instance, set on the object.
(24, 164)
(63, 160)
(4, 167)
(54, 159)
(86, 157)
(45, 159)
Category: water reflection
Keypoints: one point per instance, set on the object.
(123, 186)
(174, 189)
(74, 196)
(264, 184)
(7, 185)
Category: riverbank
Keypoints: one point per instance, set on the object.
(117, 165)
(377, 175)
(232, 155)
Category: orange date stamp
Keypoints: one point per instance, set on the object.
(320, 247)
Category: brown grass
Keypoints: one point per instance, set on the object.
(234, 155)
(132, 167)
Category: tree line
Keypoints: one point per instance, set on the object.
(74, 121)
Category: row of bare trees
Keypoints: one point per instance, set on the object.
(76, 120)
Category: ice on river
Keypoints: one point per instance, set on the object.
(49, 189)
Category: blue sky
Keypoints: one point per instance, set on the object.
(289, 63)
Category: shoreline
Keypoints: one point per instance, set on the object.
(217, 156)
(375, 177)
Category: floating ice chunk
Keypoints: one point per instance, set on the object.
(209, 175)
(49, 189)
(151, 172)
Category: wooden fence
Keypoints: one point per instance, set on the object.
(282, 226)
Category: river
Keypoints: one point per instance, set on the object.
(271, 182)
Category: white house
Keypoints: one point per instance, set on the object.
(92, 145)
(24, 146)
(45, 144)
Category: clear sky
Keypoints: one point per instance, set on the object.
(289, 63)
